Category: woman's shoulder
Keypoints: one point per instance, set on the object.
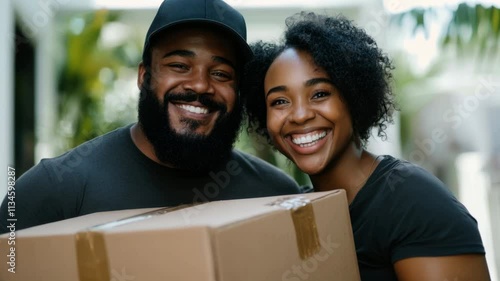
(404, 188)
(401, 176)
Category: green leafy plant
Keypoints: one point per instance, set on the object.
(81, 87)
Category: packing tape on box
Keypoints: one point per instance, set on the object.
(91, 252)
(304, 222)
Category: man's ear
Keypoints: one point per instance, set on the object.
(140, 75)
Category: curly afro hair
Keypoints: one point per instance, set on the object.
(352, 59)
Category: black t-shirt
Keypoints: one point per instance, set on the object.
(404, 211)
(110, 173)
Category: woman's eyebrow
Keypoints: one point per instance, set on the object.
(314, 81)
(276, 89)
(308, 83)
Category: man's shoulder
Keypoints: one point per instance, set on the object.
(96, 146)
(85, 155)
(254, 162)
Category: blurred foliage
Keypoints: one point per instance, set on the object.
(407, 81)
(469, 33)
(474, 26)
(81, 87)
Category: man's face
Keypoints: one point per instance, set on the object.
(199, 61)
(189, 108)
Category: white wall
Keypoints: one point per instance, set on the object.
(36, 20)
(7, 91)
(45, 93)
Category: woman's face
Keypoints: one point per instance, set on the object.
(306, 118)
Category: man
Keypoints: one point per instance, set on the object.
(181, 150)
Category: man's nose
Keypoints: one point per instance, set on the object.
(199, 82)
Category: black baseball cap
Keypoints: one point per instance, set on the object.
(210, 12)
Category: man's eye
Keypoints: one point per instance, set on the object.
(178, 66)
(221, 75)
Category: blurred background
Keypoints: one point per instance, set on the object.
(68, 73)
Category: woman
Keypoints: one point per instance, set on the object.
(316, 96)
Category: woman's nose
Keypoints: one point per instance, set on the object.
(301, 113)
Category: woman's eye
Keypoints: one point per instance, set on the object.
(278, 102)
(321, 94)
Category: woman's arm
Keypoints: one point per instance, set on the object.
(471, 267)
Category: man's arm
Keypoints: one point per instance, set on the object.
(15, 218)
(34, 202)
(448, 268)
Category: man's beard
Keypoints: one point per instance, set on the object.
(188, 151)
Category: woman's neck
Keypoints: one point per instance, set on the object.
(350, 172)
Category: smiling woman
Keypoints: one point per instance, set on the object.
(316, 96)
(292, 104)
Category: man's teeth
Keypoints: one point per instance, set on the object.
(309, 140)
(194, 109)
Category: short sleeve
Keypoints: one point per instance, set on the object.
(428, 220)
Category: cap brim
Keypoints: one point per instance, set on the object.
(243, 47)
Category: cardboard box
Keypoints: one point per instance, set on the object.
(289, 238)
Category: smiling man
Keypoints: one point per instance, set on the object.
(181, 150)
(189, 113)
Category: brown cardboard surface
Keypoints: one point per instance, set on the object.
(270, 240)
(234, 240)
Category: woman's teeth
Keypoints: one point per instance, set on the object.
(308, 140)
